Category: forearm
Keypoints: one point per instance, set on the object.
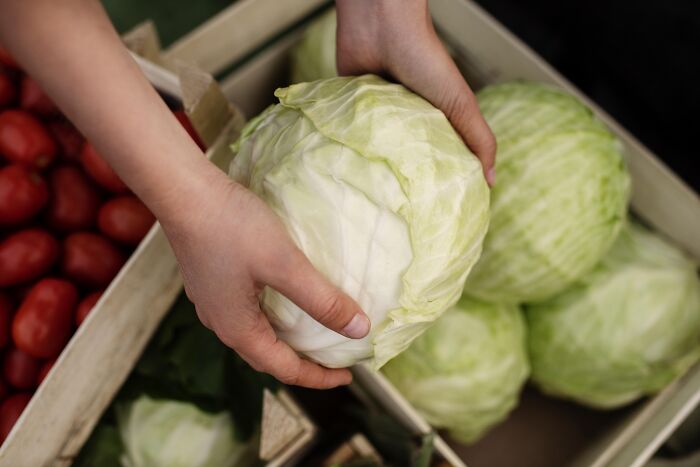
(72, 50)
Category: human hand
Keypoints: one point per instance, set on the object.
(396, 37)
(229, 247)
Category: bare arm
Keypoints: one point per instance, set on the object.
(228, 243)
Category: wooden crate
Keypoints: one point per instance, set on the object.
(487, 53)
(100, 355)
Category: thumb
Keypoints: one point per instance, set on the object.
(299, 281)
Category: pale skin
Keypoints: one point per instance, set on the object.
(228, 243)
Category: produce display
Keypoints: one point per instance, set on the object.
(561, 196)
(67, 226)
(623, 331)
(380, 193)
(466, 372)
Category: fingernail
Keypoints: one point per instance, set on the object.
(491, 176)
(358, 327)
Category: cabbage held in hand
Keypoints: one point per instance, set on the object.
(313, 57)
(383, 197)
(169, 433)
(625, 330)
(465, 373)
(561, 195)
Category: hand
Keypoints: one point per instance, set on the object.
(396, 37)
(230, 246)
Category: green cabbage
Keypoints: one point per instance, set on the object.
(313, 57)
(625, 330)
(382, 195)
(168, 433)
(561, 195)
(465, 373)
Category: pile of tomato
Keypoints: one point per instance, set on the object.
(67, 226)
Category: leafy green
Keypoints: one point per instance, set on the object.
(561, 197)
(381, 194)
(103, 449)
(466, 372)
(623, 331)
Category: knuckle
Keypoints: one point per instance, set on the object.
(329, 308)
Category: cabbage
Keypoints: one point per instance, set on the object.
(465, 373)
(314, 56)
(561, 195)
(168, 433)
(381, 194)
(625, 330)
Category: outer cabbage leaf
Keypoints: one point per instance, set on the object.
(381, 194)
(466, 372)
(168, 433)
(313, 57)
(561, 196)
(625, 330)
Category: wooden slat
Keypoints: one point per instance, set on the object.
(234, 32)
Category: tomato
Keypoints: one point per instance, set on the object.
(6, 59)
(100, 171)
(5, 319)
(91, 259)
(187, 125)
(43, 322)
(7, 89)
(44, 370)
(20, 369)
(23, 139)
(74, 200)
(10, 410)
(26, 255)
(85, 306)
(34, 99)
(23, 192)
(69, 139)
(125, 219)
(4, 389)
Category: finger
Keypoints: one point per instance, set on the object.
(265, 352)
(464, 114)
(298, 280)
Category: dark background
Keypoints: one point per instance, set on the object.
(640, 60)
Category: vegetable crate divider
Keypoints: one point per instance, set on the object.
(487, 53)
(101, 354)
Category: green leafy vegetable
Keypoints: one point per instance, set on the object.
(313, 57)
(466, 372)
(168, 433)
(623, 331)
(561, 196)
(381, 194)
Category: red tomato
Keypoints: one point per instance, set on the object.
(23, 192)
(69, 139)
(44, 320)
(91, 259)
(6, 59)
(5, 319)
(86, 304)
(100, 171)
(33, 98)
(125, 219)
(10, 410)
(4, 389)
(26, 255)
(7, 89)
(187, 125)
(74, 200)
(20, 369)
(44, 370)
(23, 139)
